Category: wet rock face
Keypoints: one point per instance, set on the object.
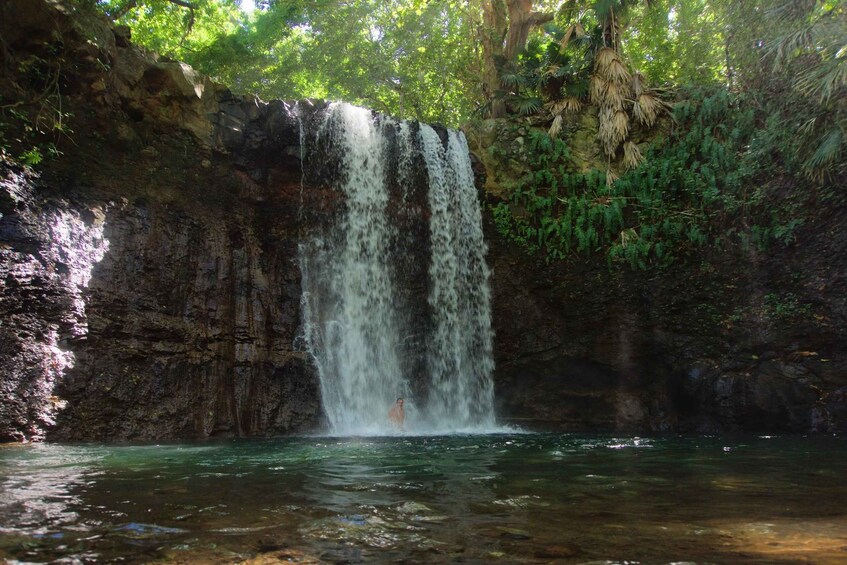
(150, 284)
(724, 342)
(194, 312)
(192, 321)
(47, 251)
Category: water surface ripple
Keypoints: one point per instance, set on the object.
(506, 498)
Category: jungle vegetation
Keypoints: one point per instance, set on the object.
(718, 121)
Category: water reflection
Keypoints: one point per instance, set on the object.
(37, 488)
(512, 498)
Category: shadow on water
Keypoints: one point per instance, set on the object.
(511, 498)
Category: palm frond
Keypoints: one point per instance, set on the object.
(638, 83)
(577, 89)
(556, 107)
(824, 80)
(551, 71)
(567, 104)
(579, 30)
(604, 58)
(526, 105)
(563, 70)
(596, 88)
(632, 156)
(571, 104)
(563, 44)
(614, 95)
(575, 30)
(647, 107)
(617, 71)
(621, 125)
(789, 45)
(826, 154)
(614, 126)
(556, 126)
(512, 79)
(809, 125)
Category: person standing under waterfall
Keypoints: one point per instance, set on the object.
(396, 414)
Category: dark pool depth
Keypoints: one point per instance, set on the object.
(495, 498)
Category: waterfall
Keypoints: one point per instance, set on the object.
(460, 348)
(375, 329)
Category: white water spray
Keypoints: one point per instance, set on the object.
(460, 356)
(354, 317)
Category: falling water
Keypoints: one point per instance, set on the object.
(357, 322)
(460, 357)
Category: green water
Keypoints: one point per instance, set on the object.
(515, 498)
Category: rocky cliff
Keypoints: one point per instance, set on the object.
(151, 289)
(741, 339)
(149, 282)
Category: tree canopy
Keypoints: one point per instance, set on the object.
(433, 60)
(698, 113)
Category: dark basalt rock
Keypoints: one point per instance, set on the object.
(150, 288)
(742, 340)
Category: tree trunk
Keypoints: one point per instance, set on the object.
(506, 25)
(521, 20)
(494, 27)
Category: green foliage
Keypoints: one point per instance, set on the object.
(409, 58)
(31, 157)
(678, 41)
(34, 123)
(692, 190)
(785, 307)
(180, 30)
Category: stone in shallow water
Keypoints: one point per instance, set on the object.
(283, 556)
(556, 552)
(136, 530)
(514, 533)
(413, 508)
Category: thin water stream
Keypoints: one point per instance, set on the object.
(502, 498)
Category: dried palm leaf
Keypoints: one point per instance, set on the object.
(611, 177)
(549, 71)
(617, 71)
(627, 236)
(556, 127)
(605, 133)
(632, 156)
(647, 108)
(614, 95)
(604, 58)
(607, 115)
(613, 130)
(596, 89)
(567, 38)
(556, 107)
(621, 125)
(609, 135)
(571, 104)
(638, 83)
